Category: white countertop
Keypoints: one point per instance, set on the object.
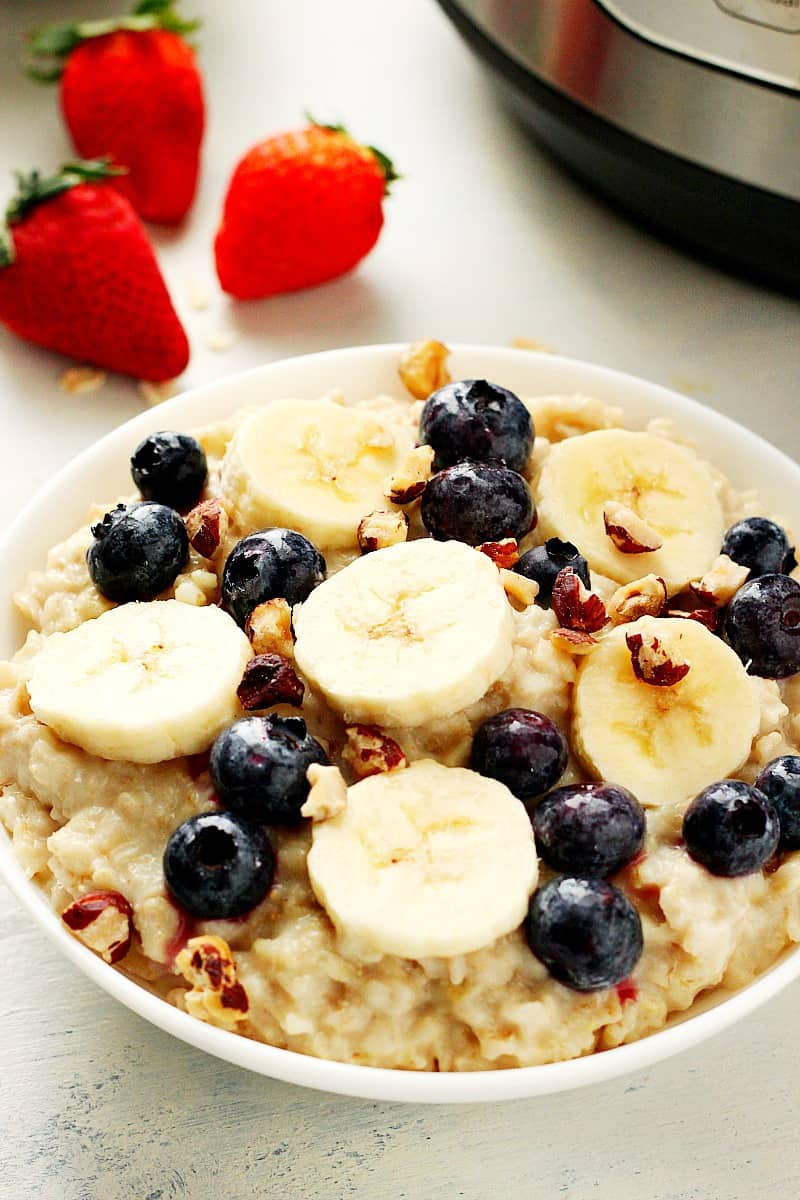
(486, 239)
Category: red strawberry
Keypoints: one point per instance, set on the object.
(78, 275)
(131, 91)
(301, 208)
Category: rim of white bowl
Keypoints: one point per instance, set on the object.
(379, 1083)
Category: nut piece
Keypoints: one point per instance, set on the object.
(652, 663)
(269, 679)
(370, 752)
(572, 641)
(380, 529)
(103, 921)
(721, 582)
(269, 628)
(77, 381)
(410, 481)
(206, 526)
(706, 616)
(157, 393)
(629, 533)
(520, 590)
(503, 553)
(216, 995)
(575, 606)
(423, 368)
(328, 794)
(196, 587)
(220, 340)
(644, 597)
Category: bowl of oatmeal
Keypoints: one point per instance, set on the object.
(428, 750)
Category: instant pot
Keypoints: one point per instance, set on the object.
(685, 112)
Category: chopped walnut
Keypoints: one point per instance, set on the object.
(410, 481)
(644, 597)
(423, 368)
(328, 794)
(575, 606)
(573, 641)
(196, 587)
(709, 617)
(628, 531)
(521, 591)
(269, 628)
(503, 553)
(652, 662)
(380, 529)
(207, 964)
(369, 751)
(207, 525)
(103, 921)
(269, 679)
(77, 381)
(721, 582)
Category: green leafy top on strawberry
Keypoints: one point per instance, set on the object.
(48, 48)
(386, 165)
(33, 189)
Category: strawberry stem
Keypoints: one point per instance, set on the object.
(33, 189)
(50, 47)
(384, 162)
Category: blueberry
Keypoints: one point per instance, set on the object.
(218, 865)
(476, 502)
(258, 767)
(760, 545)
(589, 828)
(523, 749)
(268, 564)
(477, 420)
(137, 552)
(731, 828)
(780, 783)
(170, 468)
(585, 931)
(763, 626)
(543, 563)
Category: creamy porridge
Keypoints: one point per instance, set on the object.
(391, 919)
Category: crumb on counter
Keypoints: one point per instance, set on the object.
(157, 393)
(79, 381)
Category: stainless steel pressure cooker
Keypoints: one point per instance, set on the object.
(685, 112)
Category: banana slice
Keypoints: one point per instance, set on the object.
(142, 682)
(429, 861)
(665, 743)
(664, 484)
(407, 634)
(311, 465)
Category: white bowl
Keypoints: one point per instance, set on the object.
(102, 472)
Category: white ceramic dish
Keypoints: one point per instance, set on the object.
(102, 471)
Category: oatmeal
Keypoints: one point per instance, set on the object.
(339, 729)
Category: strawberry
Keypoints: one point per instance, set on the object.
(301, 208)
(131, 91)
(78, 275)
